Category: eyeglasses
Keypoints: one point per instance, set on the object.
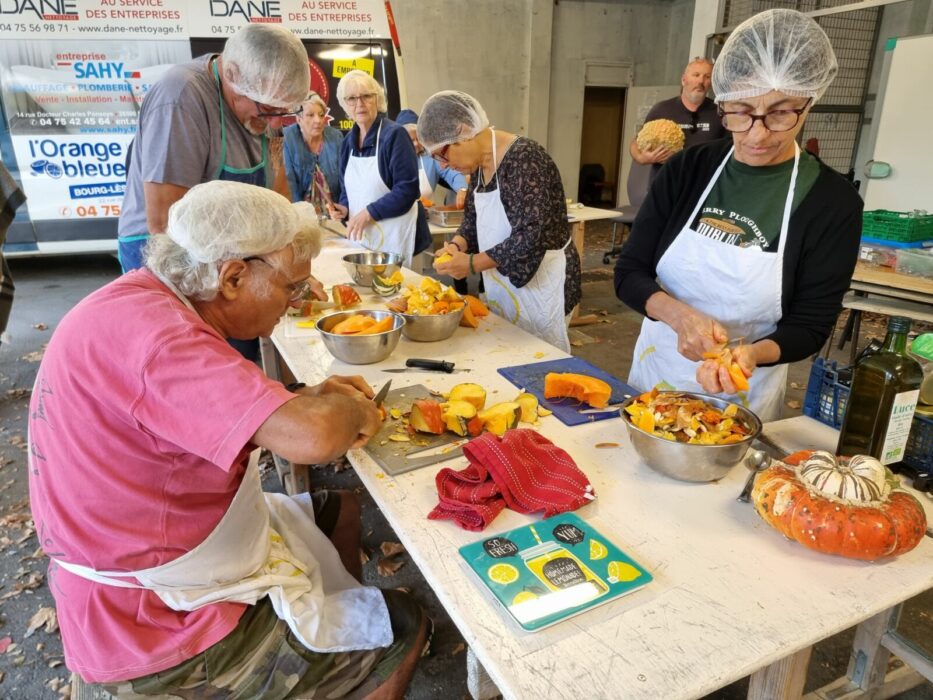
(441, 155)
(297, 291)
(356, 99)
(276, 115)
(776, 120)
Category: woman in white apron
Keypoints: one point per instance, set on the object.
(723, 254)
(381, 208)
(530, 270)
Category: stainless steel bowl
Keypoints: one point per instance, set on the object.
(687, 462)
(360, 349)
(431, 327)
(363, 267)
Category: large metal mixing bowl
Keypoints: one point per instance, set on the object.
(363, 267)
(360, 349)
(431, 327)
(681, 460)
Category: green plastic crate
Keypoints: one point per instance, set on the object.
(906, 227)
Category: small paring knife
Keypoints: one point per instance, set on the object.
(414, 363)
(381, 396)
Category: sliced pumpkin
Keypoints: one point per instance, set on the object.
(471, 393)
(382, 326)
(440, 307)
(738, 377)
(344, 295)
(442, 258)
(593, 391)
(529, 404)
(353, 325)
(468, 319)
(478, 308)
(457, 416)
(500, 417)
(427, 417)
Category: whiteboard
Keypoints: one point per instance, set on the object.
(903, 134)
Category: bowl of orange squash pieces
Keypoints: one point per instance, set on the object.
(433, 312)
(361, 337)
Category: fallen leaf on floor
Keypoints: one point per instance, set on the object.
(459, 649)
(606, 445)
(795, 385)
(793, 404)
(364, 557)
(54, 683)
(17, 441)
(18, 393)
(34, 356)
(390, 549)
(43, 617)
(5, 644)
(34, 581)
(576, 343)
(40, 326)
(2, 676)
(56, 663)
(388, 567)
(40, 646)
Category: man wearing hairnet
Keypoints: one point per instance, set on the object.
(744, 248)
(206, 120)
(174, 575)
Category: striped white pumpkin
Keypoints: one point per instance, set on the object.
(861, 479)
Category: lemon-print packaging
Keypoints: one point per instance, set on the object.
(551, 570)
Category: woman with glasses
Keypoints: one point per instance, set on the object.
(745, 244)
(378, 174)
(312, 155)
(514, 228)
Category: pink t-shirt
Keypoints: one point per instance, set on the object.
(139, 432)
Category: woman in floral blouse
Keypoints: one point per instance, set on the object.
(514, 228)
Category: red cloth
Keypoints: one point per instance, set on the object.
(522, 470)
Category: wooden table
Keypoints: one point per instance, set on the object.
(882, 290)
(730, 598)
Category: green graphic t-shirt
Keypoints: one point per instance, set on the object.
(746, 205)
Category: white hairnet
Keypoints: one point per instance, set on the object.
(267, 64)
(224, 220)
(450, 116)
(781, 50)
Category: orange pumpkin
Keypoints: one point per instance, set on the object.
(469, 318)
(578, 386)
(884, 525)
(427, 417)
(345, 295)
(353, 325)
(379, 327)
(478, 308)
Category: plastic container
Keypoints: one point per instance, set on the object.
(827, 394)
(897, 226)
(917, 262)
(877, 255)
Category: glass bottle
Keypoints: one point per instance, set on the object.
(880, 409)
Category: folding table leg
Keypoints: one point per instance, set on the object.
(782, 679)
(480, 685)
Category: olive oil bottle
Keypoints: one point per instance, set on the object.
(885, 389)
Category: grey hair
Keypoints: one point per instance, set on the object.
(201, 281)
(316, 99)
(358, 77)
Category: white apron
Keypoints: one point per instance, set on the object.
(364, 186)
(424, 185)
(538, 307)
(739, 287)
(267, 544)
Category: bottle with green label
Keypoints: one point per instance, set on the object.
(880, 409)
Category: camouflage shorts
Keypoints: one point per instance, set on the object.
(262, 659)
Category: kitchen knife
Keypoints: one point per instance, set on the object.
(381, 396)
(430, 365)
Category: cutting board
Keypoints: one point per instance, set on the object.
(531, 378)
(400, 457)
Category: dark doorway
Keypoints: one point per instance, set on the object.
(600, 145)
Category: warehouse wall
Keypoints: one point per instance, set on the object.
(525, 60)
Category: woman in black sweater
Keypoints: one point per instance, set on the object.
(745, 238)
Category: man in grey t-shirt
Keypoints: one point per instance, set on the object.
(692, 110)
(206, 120)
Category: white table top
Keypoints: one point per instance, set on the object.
(730, 594)
(576, 213)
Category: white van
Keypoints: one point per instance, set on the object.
(73, 74)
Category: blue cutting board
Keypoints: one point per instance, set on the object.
(531, 379)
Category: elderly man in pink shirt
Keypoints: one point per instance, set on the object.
(174, 575)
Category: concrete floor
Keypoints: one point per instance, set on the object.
(47, 288)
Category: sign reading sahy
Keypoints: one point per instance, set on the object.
(72, 176)
(309, 19)
(97, 19)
